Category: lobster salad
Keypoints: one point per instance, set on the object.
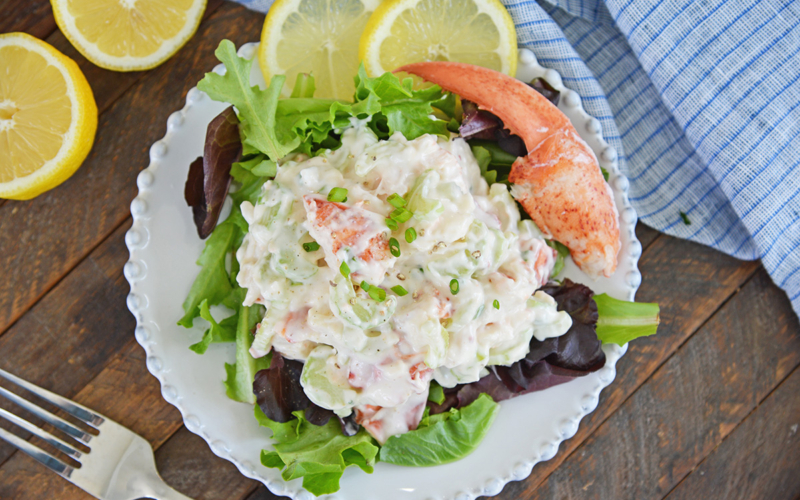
(392, 263)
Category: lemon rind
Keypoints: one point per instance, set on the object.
(79, 136)
(90, 50)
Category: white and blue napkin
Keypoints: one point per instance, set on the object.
(701, 100)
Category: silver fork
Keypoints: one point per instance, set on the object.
(120, 464)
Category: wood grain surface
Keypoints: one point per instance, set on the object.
(65, 224)
(759, 457)
(34, 17)
(709, 408)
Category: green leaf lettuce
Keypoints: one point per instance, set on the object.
(240, 375)
(212, 284)
(256, 107)
(224, 331)
(276, 127)
(318, 454)
(443, 438)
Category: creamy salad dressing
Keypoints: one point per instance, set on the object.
(377, 358)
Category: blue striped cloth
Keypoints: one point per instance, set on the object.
(701, 99)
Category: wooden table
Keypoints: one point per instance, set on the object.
(708, 408)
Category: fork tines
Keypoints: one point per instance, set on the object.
(70, 449)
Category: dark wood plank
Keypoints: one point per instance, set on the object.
(262, 493)
(68, 338)
(34, 17)
(107, 86)
(761, 457)
(689, 282)
(122, 390)
(690, 404)
(646, 235)
(125, 392)
(46, 237)
(184, 460)
(61, 341)
(187, 463)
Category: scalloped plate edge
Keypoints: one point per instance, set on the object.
(137, 236)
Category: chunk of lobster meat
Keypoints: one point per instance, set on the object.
(539, 259)
(350, 234)
(383, 422)
(559, 182)
(562, 189)
(293, 335)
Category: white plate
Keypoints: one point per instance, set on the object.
(164, 246)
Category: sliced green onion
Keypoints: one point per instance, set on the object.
(411, 234)
(392, 224)
(401, 215)
(344, 269)
(399, 290)
(396, 201)
(394, 247)
(436, 393)
(365, 286)
(311, 246)
(377, 293)
(454, 286)
(496, 304)
(338, 194)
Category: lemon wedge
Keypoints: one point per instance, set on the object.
(478, 32)
(318, 37)
(48, 117)
(128, 35)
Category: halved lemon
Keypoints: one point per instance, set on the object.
(479, 32)
(318, 37)
(48, 117)
(128, 35)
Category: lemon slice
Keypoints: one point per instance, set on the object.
(48, 117)
(318, 37)
(128, 35)
(401, 32)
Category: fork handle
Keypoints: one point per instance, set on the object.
(153, 486)
(171, 494)
(164, 492)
